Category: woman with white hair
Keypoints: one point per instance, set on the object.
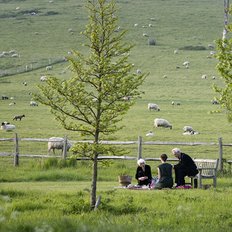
(143, 173)
(185, 167)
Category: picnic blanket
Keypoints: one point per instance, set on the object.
(146, 187)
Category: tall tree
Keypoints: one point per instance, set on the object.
(92, 101)
(224, 55)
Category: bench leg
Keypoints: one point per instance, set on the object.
(194, 182)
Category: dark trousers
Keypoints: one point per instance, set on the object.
(181, 172)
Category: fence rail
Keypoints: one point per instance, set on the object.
(139, 143)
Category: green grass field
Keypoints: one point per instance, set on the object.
(34, 198)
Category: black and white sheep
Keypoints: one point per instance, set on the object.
(57, 143)
(160, 122)
(153, 106)
(16, 117)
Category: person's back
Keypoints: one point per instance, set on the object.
(164, 174)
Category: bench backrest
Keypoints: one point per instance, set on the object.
(208, 166)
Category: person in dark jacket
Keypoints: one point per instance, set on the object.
(185, 167)
(143, 173)
(165, 179)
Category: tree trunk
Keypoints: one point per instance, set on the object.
(94, 182)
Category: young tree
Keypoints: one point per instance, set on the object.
(224, 55)
(102, 88)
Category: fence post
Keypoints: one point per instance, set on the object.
(220, 154)
(16, 156)
(139, 147)
(64, 154)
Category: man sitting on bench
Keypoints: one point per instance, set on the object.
(185, 167)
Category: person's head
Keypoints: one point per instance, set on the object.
(163, 157)
(176, 152)
(141, 162)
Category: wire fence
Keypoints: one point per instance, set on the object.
(32, 66)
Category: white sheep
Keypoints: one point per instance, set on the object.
(204, 76)
(57, 143)
(7, 126)
(190, 133)
(187, 128)
(150, 134)
(43, 78)
(160, 122)
(49, 67)
(153, 106)
(33, 103)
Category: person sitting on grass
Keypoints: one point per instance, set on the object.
(143, 173)
(165, 179)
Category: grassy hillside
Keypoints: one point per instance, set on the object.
(41, 31)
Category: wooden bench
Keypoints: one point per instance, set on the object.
(207, 170)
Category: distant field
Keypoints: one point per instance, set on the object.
(41, 31)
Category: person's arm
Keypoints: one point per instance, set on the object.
(137, 172)
(158, 173)
(149, 176)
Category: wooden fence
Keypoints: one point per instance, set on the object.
(140, 143)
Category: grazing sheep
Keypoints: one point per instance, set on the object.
(214, 102)
(204, 76)
(43, 78)
(176, 51)
(160, 122)
(138, 71)
(190, 133)
(153, 106)
(33, 103)
(150, 134)
(7, 126)
(12, 103)
(187, 128)
(57, 143)
(49, 67)
(4, 97)
(126, 98)
(186, 63)
(16, 117)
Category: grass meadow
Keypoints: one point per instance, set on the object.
(53, 195)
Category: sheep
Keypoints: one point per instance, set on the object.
(190, 133)
(126, 98)
(204, 76)
(7, 126)
(150, 134)
(49, 67)
(4, 97)
(215, 102)
(175, 103)
(153, 106)
(33, 103)
(16, 117)
(43, 78)
(187, 128)
(160, 122)
(57, 143)
(186, 63)
(12, 103)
